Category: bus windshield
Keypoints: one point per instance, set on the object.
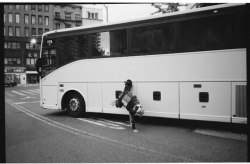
(49, 57)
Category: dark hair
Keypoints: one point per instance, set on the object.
(128, 82)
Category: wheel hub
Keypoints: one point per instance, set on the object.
(74, 104)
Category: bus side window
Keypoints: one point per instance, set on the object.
(118, 43)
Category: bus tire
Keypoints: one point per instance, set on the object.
(75, 105)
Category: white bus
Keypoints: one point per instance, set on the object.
(184, 65)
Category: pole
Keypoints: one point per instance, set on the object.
(106, 7)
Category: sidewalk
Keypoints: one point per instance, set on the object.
(27, 85)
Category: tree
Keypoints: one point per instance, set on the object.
(166, 7)
(172, 7)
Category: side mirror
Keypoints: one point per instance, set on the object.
(38, 66)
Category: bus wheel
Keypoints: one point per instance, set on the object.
(75, 105)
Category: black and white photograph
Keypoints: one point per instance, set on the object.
(124, 82)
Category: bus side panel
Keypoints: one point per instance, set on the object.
(208, 101)
(49, 96)
(159, 99)
(94, 97)
(109, 96)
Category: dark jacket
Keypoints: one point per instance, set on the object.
(129, 95)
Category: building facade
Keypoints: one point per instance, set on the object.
(67, 16)
(91, 16)
(21, 22)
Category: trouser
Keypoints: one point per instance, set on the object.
(132, 120)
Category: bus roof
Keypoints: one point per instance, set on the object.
(152, 17)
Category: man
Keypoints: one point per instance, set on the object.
(130, 102)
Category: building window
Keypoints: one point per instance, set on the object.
(10, 7)
(46, 30)
(40, 20)
(17, 7)
(26, 19)
(67, 25)
(33, 7)
(27, 45)
(40, 7)
(46, 21)
(12, 61)
(26, 32)
(10, 29)
(46, 8)
(92, 15)
(17, 18)
(26, 7)
(67, 15)
(4, 31)
(57, 15)
(17, 31)
(30, 60)
(33, 31)
(78, 17)
(57, 26)
(10, 18)
(33, 19)
(40, 31)
(4, 17)
(12, 45)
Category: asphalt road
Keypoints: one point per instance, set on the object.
(41, 135)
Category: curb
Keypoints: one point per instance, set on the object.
(222, 134)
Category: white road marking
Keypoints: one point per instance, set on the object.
(18, 93)
(20, 103)
(92, 122)
(102, 123)
(28, 97)
(32, 93)
(17, 103)
(86, 134)
(116, 122)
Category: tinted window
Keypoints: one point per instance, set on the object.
(155, 39)
(203, 34)
(207, 34)
(72, 48)
(118, 43)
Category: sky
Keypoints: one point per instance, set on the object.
(119, 12)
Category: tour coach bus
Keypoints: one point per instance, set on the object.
(185, 65)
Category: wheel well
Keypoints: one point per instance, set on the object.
(65, 97)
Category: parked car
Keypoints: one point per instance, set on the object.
(10, 82)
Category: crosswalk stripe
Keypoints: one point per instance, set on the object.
(18, 93)
(102, 123)
(34, 91)
(92, 122)
(28, 92)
